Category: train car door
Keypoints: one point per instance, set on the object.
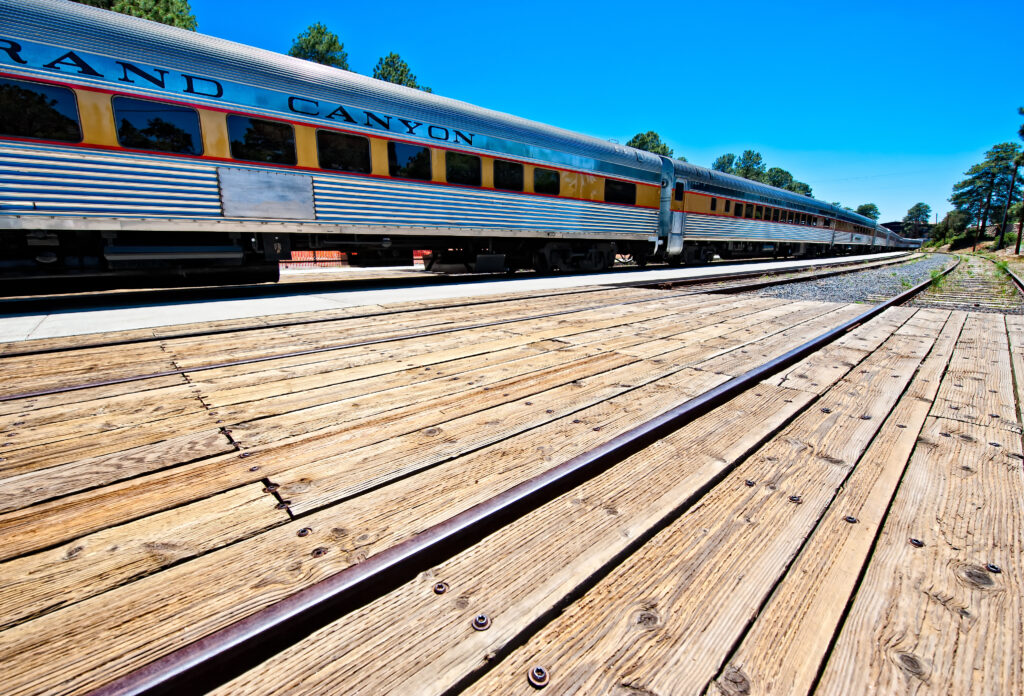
(670, 223)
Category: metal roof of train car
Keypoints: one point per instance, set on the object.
(731, 182)
(131, 38)
(101, 31)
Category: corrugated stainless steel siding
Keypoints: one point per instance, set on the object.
(718, 228)
(36, 179)
(129, 38)
(368, 201)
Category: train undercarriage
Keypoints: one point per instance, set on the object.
(31, 259)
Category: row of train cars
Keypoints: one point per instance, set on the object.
(129, 147)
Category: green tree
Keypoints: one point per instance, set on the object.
(750, 165)
(391, 68)
(798, 187)
(986, 186)
(917, 217)
(651, 142)
(176, 13)
(777, 177)
(320, 45)
(868, 210)
(726, 163)
(951, 227)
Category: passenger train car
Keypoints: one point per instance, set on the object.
(128, 146)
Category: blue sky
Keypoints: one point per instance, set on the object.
(883, 102)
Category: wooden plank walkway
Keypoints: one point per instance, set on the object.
(138, 517)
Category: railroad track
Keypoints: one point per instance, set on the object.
(977, 285)
(462, 496)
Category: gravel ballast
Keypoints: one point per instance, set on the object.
(872, 285)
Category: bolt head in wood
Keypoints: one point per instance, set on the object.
(916, 542)
(993, 568)
(538, 677)
(796, 499)
(481, 622)
(851, 519)
(305, 531)
(749, 483)
(319, 551)
(440, 587)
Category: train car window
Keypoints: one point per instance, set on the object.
(758, 212)
(409, 161)
(256, 140)
(738, 209)
(679, 191)
(803, 218)
(749, 212)
(150, 125)
(727, 204)
(545, 181)
(714, 203)
(31, 110)
(343, 152)
(462, 169)
(508, 176)
(619, 192)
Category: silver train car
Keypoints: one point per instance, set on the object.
(131, 147)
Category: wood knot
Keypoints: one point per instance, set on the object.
(734, 682)
(911, 665)
(432, 431)
(977, 576)
(647, 619)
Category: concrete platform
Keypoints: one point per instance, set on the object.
(20, 328)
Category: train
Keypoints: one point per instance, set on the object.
(130, 148)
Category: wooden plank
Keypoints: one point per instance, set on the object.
(450, 388)
(190, 353)
(331, 478)
(258, 382)
(413, 641)
(934, 619)
(788, 641)
(770, 341)
(665, 620)
(57, 427)
(93, 510)
(981, 363)
(131, 625)
(22, 374)
(943, 622)
(34, 487)
(102, 443)
(24, 406)
(34, 585)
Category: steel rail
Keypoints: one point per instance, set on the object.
(322, 349)
(854, 265)
(229, 651)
